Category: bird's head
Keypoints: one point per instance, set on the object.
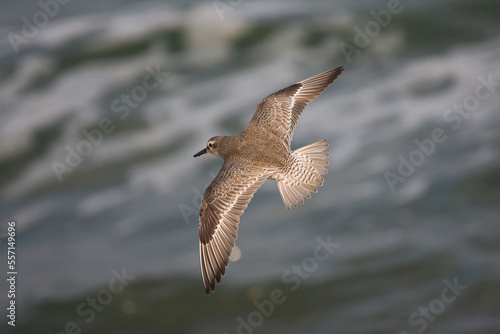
(212, 145)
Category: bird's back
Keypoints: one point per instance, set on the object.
(256, 147)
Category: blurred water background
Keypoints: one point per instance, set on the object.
(104, 103)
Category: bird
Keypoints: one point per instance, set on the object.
(262, 151)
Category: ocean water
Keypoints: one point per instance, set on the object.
(103, 104)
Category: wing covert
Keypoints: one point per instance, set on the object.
(279, 112)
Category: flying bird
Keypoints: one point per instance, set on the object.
(262, 151)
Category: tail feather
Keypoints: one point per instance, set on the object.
(304, 173)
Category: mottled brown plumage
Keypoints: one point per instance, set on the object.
(260, 152)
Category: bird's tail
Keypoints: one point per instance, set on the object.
(304, 173)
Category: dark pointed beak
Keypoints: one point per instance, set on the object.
(200, 153)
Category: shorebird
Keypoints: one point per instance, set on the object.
(260, 152)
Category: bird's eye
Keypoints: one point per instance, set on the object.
(210, 145)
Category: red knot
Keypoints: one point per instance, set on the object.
(260, 152)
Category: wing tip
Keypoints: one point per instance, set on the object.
(210, 271)
(326, 77)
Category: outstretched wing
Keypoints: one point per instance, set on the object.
(223, 203)
(279, 112)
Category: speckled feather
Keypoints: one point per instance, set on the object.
(260, 152)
